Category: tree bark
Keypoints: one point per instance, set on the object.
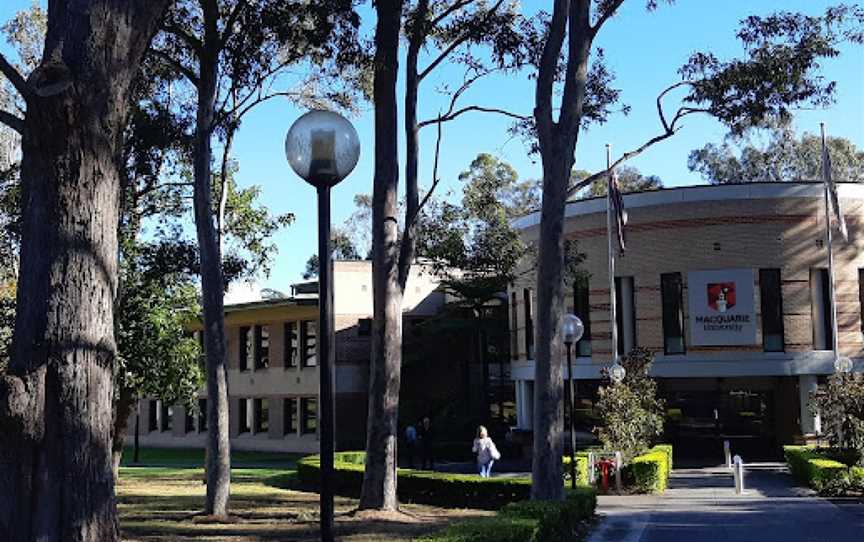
(557, 142)
(218, 463)
(124, 405)
(56, 480)
(379, 479)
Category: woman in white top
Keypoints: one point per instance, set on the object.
(486, 452)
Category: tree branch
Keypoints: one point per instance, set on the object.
(446, 118)
(605, 16)
(10, 120)
(191, 41)
(449, 11)
(412, 220)
(179, 68)
(232, 18)
(15, 77)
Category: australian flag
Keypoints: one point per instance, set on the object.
(616, 204)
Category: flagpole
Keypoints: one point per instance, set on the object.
(612, 305)
(828, 238)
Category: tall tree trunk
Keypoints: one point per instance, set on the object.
(379, 479)
(125, 403)
(557, 142)
(56, 479)
(212, 284)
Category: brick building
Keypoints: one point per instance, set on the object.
(273, 376)
(727, 285)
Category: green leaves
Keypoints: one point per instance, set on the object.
(840, 403)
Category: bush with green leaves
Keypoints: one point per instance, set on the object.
(819, 469)
(840, 404)
(630, 412)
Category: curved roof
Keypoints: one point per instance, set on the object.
(702, 193)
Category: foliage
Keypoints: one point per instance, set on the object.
(649, 473)
(630, 179)
(815, 468)
(527, 521)
(630, 411)
(429, 487)
(841, 406)
(784, 158)
(343, 249)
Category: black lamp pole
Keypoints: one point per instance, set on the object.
(325, 358)
(572, 401)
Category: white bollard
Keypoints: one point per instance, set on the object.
(618, 465)
(727, 453)
(739, 475)
(592, 475)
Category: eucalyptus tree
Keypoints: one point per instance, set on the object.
(56, 480)
(233, 55)
(448, 31)
(777, 72)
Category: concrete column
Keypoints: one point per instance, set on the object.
(810, 425)
(529, 403)
(520, 407)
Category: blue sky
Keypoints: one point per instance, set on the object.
(643, 49)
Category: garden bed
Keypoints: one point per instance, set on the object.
(821, 469)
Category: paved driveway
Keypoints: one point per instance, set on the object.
(701, 505)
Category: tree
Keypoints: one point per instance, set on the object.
(777, 73)
(232, 53)
(343, 249)
(630, 180)
(442, 28)
(840, 403)
(630, 412)
(56, 479)
(784, 158)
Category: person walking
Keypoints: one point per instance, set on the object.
(410, 444)
(427, 439)
(487, 453)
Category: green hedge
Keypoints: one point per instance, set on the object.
(811, 467)
(526, 521)
(649, 472)
(427, 487)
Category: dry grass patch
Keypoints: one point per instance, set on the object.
(162, 504)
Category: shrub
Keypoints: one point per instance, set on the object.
(527, 521)
(649, 473)
(810, 467)
(427, 487)
(841, 405)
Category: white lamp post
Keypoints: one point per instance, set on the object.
(843, 365)
(323, 148)
(572, 330)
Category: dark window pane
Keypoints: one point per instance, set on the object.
(529, 323)
(291, 341)
(364, 327)
(514, 326)
(243, 416)
(289, 416)
(672, 290)
(772, 310)
(167, 420)
(309, 406)
(246, 346)
(202, 415)
(262, 347)
(308, 340)
(189, 426)
(582, 309)
(152, 415)
(262, 416)
(625, 314)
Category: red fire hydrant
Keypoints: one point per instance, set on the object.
(605, 466)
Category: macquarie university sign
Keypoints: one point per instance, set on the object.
(721, 307)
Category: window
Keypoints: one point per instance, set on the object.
(582, 309)
(262, 347)
(364, 327)
(262, 415)
(246, 345)
(291, 344)
(672, 292)
(514, 327)
(625, 314)
(772, 310)
(189, 419)
(152, 415)
(820, 307)
(289, 416)
(308, 343)
(243, 416)
(166, 418)
(202, 415)
(529, 323)
(309, 420)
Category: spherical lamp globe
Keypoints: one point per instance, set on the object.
(322, 147)
(571, 328)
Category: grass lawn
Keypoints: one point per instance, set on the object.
(162, 502)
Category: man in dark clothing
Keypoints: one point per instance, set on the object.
(427, 439)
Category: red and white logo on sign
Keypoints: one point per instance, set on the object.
(721, 296)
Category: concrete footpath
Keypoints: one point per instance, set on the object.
(701, 505)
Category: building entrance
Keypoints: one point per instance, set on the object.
(701, 418)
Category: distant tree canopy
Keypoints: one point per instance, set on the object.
(782, 157)
(630, 179)
(343, 249)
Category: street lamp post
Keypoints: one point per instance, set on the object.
(572, 329)
(323, 148)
